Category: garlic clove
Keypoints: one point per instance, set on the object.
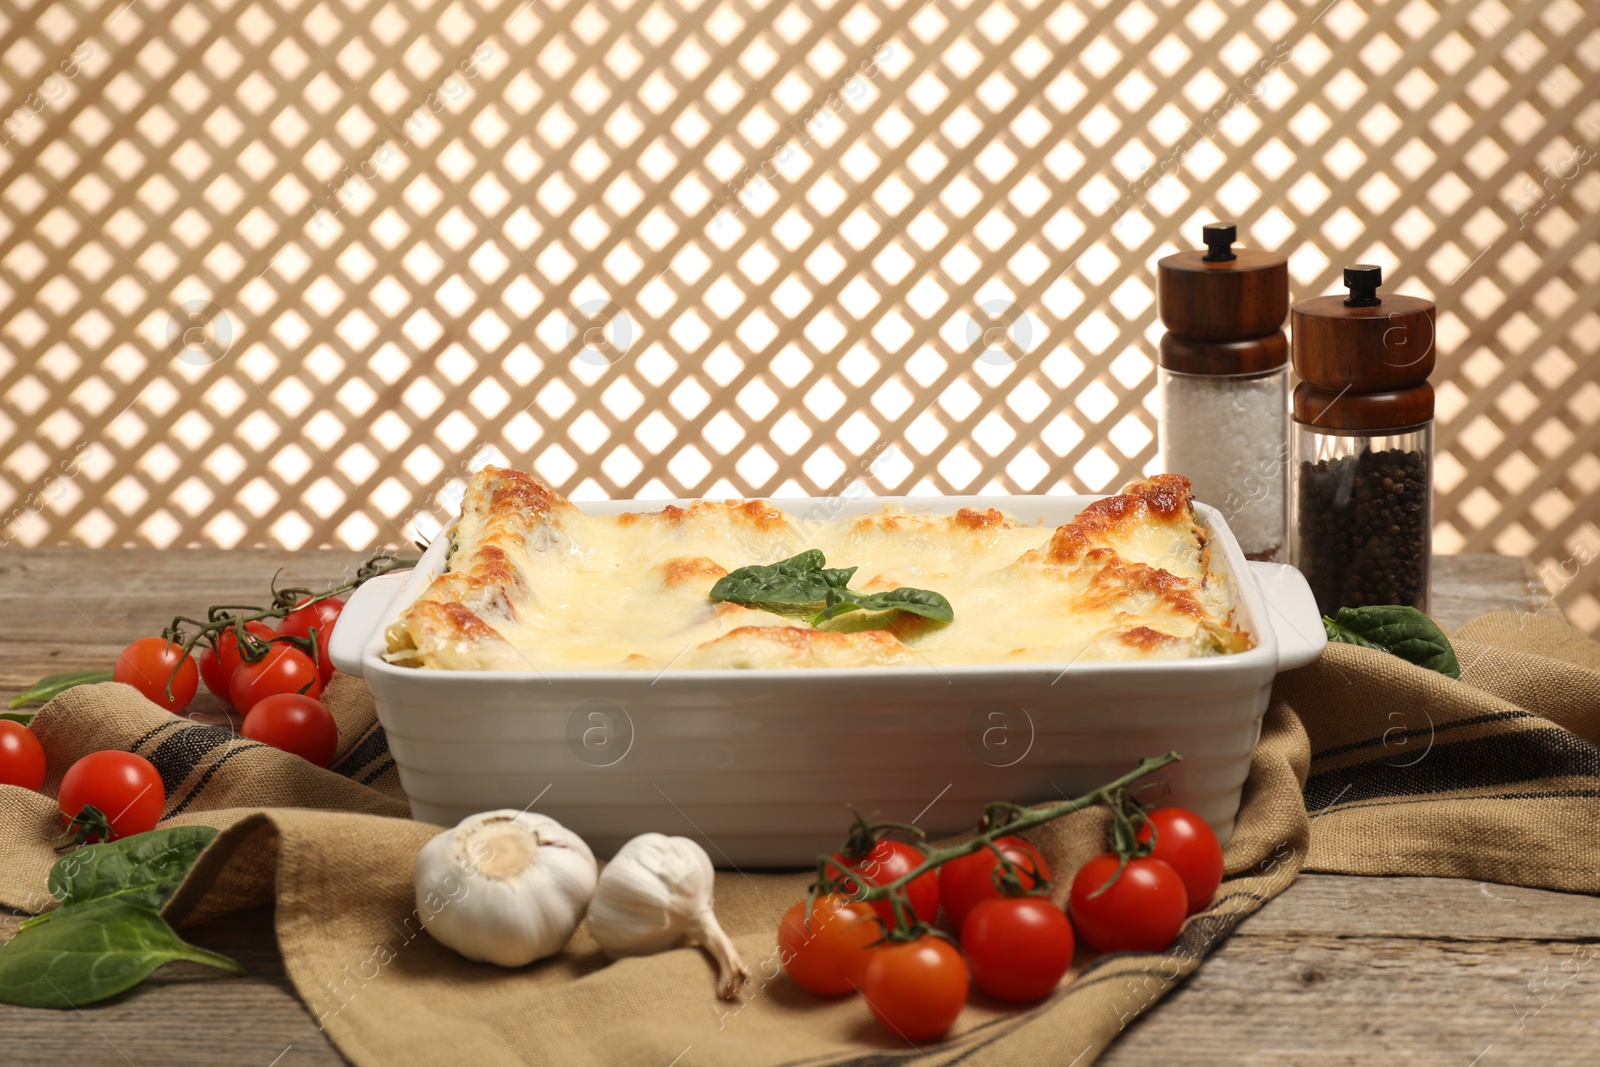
(731, 970)
(655, 894)
(505, 887)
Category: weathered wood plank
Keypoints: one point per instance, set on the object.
(1341, 906)
(184, 1015)
(65, 609)
(1513, 981)
(1473, 584)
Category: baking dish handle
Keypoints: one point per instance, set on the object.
(1292, 611)
(360, 617)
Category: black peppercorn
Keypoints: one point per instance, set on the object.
(1363, 529)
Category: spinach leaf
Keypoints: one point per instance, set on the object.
(838, 577)
(798, 585)
(917, 601)
(805, 586)
(55, 684)
(93, 951)
(1399, 631)
(145, 869)
(108, 934)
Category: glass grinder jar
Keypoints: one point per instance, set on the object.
(1362, 527)
(1224, 383)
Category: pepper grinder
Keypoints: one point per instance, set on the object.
(1363, 445)
(1223, 382)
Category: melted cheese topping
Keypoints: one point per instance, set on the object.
(534, 583)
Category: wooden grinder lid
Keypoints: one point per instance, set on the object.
(1222, 293)
(1363, 343)
(1349, 411)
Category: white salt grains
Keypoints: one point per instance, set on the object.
(1229, 436)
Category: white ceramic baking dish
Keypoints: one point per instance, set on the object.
(758, 765)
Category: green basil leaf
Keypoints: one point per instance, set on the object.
(1342, 635)
(1399, 631)
(794, 586)
(24, 717)
(917, 601)
(923, 602)
(838, 577)
(145, 869)
(804, 585)
(90, 952)
(55, 684)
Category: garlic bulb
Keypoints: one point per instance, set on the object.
(655, 894)
(506, 887)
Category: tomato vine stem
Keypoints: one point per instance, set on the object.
(221, 617)
(999, 819)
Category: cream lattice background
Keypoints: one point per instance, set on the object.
(942, 283)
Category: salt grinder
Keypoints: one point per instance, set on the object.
(1363, 445)
(1223, 381)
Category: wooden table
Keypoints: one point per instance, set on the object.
(1338, 970)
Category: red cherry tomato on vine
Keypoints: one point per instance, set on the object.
(321, 616)
(887, 861)
(1142, 911)
(828, 955)
(122, 786)
(324, 661)
(282, 670)
(1017, 948)
(915, 988)
(217, 665)
(21, 756)
(297, 724)
(1187, 844)
(148, 663)
(968, 880)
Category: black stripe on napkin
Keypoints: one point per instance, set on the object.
(245, 746)
(374, 746)
(1481, 763)
(378, 772)
(177, 756)
(1388, 736)
(147, 735)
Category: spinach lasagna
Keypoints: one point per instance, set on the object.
(533, 583)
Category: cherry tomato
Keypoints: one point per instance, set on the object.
(915, 988)
(887, 861)
(321, 615)
(282, 670)
(1142, 911)
(1017, 947)
(324, 661)
(122, 786)
(827, 955)
(147, 664)
(967, 880)
(1187, 844)
(297, 724)
(21, 756)
(217, 665)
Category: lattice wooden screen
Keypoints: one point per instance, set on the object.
(275, 272)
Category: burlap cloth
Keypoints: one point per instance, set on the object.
(1366, 765)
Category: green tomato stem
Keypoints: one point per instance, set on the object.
(1021, 819)
(283, 602)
